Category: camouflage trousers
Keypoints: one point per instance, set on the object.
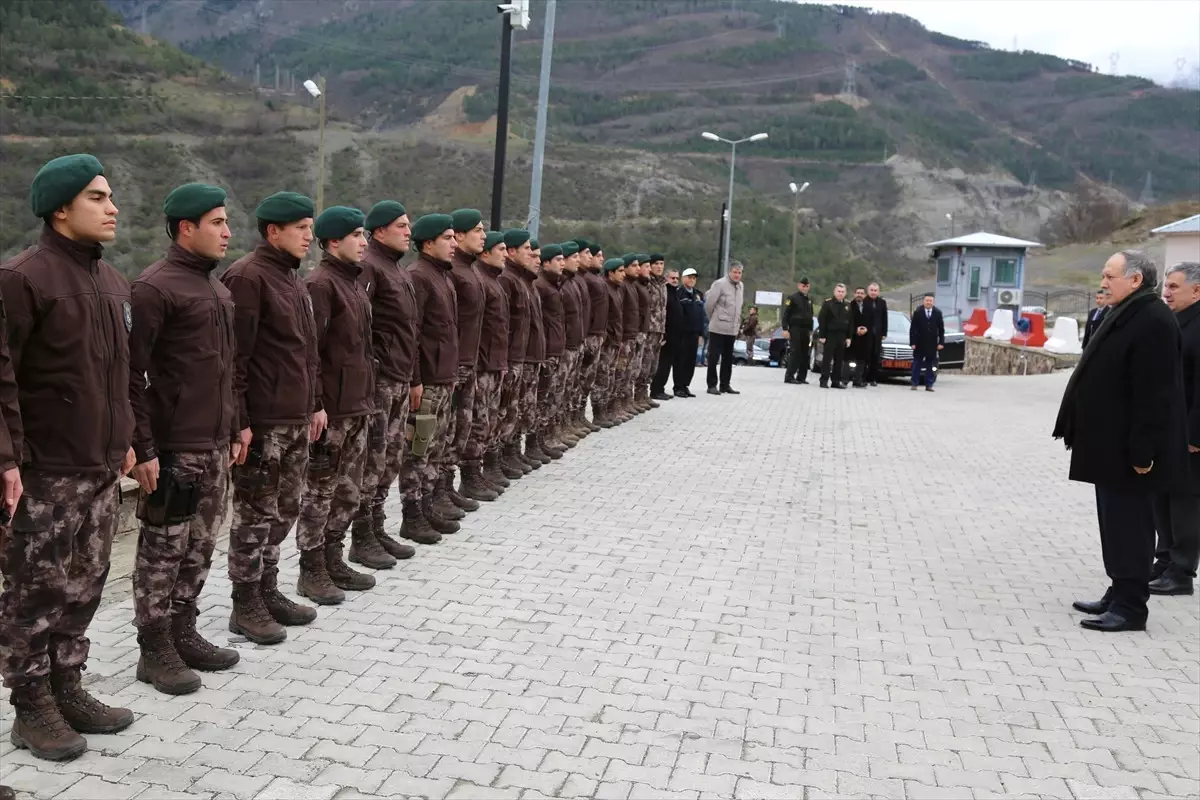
(484, 418)
(462, 410)
(572, 383)
(650, 353)
(419, 475)
(527, 404)
(627, 361)
(173, 560)
(331, 496)
(510, 403)
(607, 372)
(588, 368)
(550, 379)
(385, 444)
(266, 499)
(54, 559)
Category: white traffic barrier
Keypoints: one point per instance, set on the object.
(1064, 339)
(1002, 328)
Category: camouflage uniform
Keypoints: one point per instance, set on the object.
(571, 380)
(550, 376)
(658, 326)
(511, 392)
(331, 498)
(589, 370)
(385, 446)
(607, 372)
(420, 473)
(462, 409)
(173, 560)
(527, 400)
(485, 418)
(266, 500)
(55, 562)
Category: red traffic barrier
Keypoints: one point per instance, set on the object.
(1036, 336)
(977, 324)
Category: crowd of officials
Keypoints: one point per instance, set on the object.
(306, 398)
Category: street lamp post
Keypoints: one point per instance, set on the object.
(733, 143)
(317, 90)
(796, 192)
(950, 216)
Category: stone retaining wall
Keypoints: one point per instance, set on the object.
(989, 357)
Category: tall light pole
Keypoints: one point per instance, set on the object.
(733, 143)
(950, 217)
(539, 139)
(515, 15)
(317, 90)
(796, 192)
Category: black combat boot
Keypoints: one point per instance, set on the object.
(280, 606)
(416, 527)
(196, 651)
(83, 712)
(493, 471)
(339, 571)
(534, 453)
(251, 618)
(458, 498)
(442, 505)
(160, 665)
(365, 549)
(513, 465)
(437, 521)
(314, 581)
(474, 485)
(393, 548)
(39, 726)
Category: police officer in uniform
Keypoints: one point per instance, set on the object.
(68, 317)
(833, 330)
(186, 436)
(798, 323)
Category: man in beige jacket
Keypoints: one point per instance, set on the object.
(724, 307)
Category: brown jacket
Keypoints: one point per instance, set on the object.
(437, 322)
(393, 312)
(68, 316)
(10, 408)
(643, 294)
(493, 338)
(549, 289)
(342, 316)
(181, 358)
(518, 312)
(575, 317)
(276, 341)
(535, 352)
(615, 293)
(597, 289)
(631, 311)
(469, 288)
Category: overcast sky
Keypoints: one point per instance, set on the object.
(1150, 35)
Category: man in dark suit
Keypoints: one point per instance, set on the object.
(1123, 419)
(1177, 514)
(1094, 317)
(861, 323)
(926, 337)
(878, 314)
(672, 340)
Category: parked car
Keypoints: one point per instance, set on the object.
(896, 357)
(762, 352)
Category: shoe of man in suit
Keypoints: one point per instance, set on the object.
(1113, 622)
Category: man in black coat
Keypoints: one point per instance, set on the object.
(861, 325)
(1177, 514)
(1123, 419)
(926, 337)
(672, 340)
(798, 325)
(692, 316)
(1094, 317)
(878, 314)
(833, 331)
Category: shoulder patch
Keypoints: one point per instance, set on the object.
(127, 312)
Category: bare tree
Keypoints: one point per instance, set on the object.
(1091, 217)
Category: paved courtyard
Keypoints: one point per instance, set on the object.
(795, 593)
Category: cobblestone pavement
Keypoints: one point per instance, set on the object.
(794, 593)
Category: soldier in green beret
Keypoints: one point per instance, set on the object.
(279, 413)
(632, 339)
(186, 436)
(594, 331)
(541, 439)
(520, 267)
(569, 429)
(606, 397)
(64, 401)
(492, 364)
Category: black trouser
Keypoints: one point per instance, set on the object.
(666, 360)
(1127, 543)
(720, 351)
(685, 360)
(874, 354)
(833, 357)
(1177, 517)
(797, 361)
(860, 354)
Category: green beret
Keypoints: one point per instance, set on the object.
(284, 207)
(583, 244)
(384, 213)
(492, 239)
(338, 222)
(629, 258)
(60, 180)
(193, 201)
(613, 264)
(550, 251)
(643, 258)
(595, 249)
(515, 237)
(534, 245)
(656, 257)
(465, 219)
(431, 226)
(569, 249)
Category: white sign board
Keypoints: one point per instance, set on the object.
(762, 298)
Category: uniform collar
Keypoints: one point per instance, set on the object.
(85, 254)
(265, 251)
(383, 251)
(436, 263)
(345, 269)
(1189, 315)
(461, 258)
(185, 258)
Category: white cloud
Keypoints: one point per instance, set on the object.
(1150, 35)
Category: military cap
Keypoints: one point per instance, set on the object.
(534, 244)
(515, 237)
(644, 258)
(688, 271)
(595, 248)
(804, 281)
(613, 264)
(550, 251)
(60, 180)
(193, 201)
(629, 258)
(492, 239)
(569, 249)
(284, 207)
(656, 257)
(338, 222)
(466, 219)
(584, 244)
(384, 213)
(431, 226)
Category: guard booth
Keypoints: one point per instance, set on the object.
(980, 271)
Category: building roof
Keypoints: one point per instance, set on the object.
(982, 239)
(1188, 225)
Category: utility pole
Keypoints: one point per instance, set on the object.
(317, 90)
(728, 214)
(796, 192)
(520, 10)
(539, 141)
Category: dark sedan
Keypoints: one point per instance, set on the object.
(896, 358)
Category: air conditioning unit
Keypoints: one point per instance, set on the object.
(1008, 297)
